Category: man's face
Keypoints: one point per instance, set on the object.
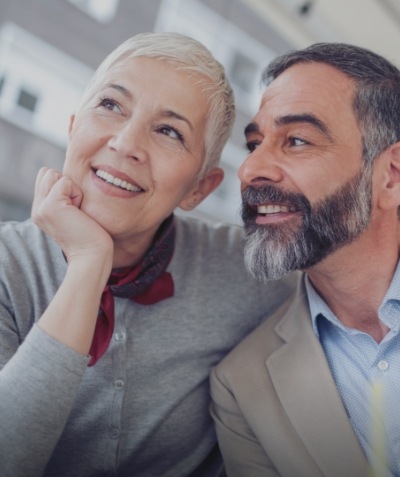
(305, 189)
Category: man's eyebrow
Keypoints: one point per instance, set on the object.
(251, 128)
(292, 119)
(304, 118)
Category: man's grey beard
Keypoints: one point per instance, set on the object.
(274, 250)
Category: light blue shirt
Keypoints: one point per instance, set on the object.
(361, 368)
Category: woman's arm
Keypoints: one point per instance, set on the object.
(38, 384)
(71, 316)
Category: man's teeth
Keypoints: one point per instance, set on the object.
(274, 209)
(117, 182)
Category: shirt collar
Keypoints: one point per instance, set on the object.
(318, 306)
(389, 311)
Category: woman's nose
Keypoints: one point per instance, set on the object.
(128, 140)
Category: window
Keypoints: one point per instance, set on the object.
(101, 10)
(27, 100)
(43, 86)
(243, 56)
(243, 72)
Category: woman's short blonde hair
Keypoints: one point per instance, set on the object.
(188, 55)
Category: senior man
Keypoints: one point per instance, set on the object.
(315, 390)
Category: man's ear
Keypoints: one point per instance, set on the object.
(71, 123)
(390, 191)
(202, 189)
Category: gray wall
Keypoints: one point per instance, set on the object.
(63, 25)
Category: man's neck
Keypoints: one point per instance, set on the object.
(353, 284)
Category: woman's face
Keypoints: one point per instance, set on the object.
(137, 147)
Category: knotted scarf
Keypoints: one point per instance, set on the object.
(146, 283)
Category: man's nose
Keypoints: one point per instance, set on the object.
(260, 166)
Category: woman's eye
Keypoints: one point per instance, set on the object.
(171, 132)
(110, 104)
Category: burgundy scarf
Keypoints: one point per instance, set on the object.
(146, 283)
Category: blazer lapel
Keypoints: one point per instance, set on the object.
(307, 391)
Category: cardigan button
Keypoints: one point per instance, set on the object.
(119, 336)
(114, 433)
(119, 384)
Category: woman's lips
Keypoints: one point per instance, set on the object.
(117, 181)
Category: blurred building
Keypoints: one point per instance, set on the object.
(49, 49)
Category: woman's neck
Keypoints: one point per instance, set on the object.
(130, 253)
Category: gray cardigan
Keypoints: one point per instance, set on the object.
(142, 410)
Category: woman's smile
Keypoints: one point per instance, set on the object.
(116, 180)
(141, 139)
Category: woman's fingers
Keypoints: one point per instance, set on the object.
(56, 210)
(52, 189)
(64, 191)
(57, 200)
(45, 180)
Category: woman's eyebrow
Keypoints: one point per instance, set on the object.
(119, 88)
(172, 114)
(169, 113)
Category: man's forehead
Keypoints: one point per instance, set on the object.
(307, 87)
(305, 76)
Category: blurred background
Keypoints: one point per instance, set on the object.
(49, 49)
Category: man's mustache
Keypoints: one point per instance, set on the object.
(269, 194)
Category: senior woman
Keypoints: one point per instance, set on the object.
(113, 310)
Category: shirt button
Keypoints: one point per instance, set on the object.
(119, 384)
(119, 336)
(383, 365)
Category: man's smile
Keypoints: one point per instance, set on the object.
(266, 209)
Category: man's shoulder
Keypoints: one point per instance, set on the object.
(262, 341)
(270, 335)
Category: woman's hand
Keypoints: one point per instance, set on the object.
(56, 210)
(72, 314)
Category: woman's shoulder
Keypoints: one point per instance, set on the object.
(14, 233)
(213, 250)
(24, 242)
(210, 235)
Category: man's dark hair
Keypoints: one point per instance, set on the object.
(376, 102)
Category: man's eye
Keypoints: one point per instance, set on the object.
(252, 145)
(296, 141)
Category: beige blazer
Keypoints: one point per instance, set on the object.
(276, 406)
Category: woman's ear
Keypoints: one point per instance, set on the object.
(390, 191)
(203, 188)
(71, 123)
